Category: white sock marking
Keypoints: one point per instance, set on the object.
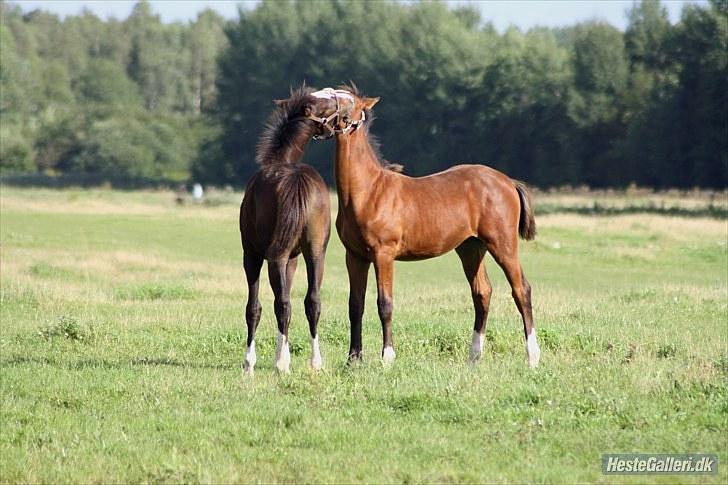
(283, 355)
(250, 359)
(388, 355)
(316, 362)
(476, 347)
(532, 349)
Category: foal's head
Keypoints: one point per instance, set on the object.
(340, 111)
(289, 128)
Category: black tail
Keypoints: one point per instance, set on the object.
(294, 189)
(526, 224)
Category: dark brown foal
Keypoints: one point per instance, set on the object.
(386, 216)
(285, 212)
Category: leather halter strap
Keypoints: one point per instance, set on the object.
(351, 125)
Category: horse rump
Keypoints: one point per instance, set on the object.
(295, 184)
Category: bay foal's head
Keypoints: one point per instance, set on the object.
(340, 111)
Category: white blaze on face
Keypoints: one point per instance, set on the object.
(532, 349)
(476, 347)
(316, 362)
(250, 359)
(283, 355)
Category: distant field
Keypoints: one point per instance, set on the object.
(123, 335)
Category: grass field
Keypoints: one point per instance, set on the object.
(123, 336)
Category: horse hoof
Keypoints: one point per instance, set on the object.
(388, 355)
(248, 369)
(316, 364)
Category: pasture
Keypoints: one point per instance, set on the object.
(123, 336)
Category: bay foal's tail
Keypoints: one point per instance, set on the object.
(294, 189)
(527, 223)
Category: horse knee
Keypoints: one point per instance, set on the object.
(253, 311)
(282, 308)
(312, 303)
(312, 298)
(483, 294)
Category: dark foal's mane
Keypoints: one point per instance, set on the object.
(282, 128)
(373, 139)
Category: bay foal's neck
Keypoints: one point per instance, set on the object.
(356, 167)
(293, 151)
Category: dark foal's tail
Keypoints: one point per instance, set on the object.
(526, 224)
(294, 188)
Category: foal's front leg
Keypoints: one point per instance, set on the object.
(384, 268)
(358, 270)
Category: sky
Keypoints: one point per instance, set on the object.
(502, 13)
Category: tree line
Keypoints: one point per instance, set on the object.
(584, 104)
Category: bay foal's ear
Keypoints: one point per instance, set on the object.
(281, 103)
(369, 102)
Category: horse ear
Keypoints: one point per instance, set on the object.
(369, 102)
(281, 103)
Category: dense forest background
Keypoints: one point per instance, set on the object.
(585, 104)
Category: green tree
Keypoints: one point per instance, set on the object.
(702, 96)
(157, 60)
(105, 82)
(595, 104)
(206, 41)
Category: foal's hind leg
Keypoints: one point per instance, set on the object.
(384, 269)
(506, 255)
(252, 265)
(278, 276)
(471, 253)
(315, 272)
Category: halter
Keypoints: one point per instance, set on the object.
(351, 125)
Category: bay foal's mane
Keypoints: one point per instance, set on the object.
(373, 139)
(282, 128)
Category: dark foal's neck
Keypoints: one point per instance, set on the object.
(292, 152)
(284, 143)
(357, 168)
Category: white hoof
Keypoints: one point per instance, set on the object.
(388, 355)
(283, 355)
(250, 359)
(533, 352)
(476, 347)
(316, 362)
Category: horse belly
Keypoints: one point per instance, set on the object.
(436, 236)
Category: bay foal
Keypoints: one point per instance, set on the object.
(386, 216)
(285, 212)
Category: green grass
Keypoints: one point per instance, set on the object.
(123, 335)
